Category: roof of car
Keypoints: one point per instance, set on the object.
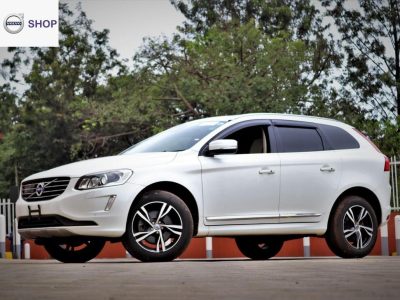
(291, 117)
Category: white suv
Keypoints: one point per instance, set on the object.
(261, 179)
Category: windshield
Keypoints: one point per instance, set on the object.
(178, 138)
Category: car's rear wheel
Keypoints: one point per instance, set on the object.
(159, 227)
(353, 228)
(259, 247)
(73, 250)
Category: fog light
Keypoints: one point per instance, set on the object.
(110, 202)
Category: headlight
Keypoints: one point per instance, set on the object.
(103, 179)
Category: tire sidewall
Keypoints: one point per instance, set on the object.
(81, 256)
(336, 239)
(136, 250)
(248, 246)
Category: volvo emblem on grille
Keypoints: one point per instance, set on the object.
(39, 189)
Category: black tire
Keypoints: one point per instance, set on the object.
(259, 247)
(159, 227)
(76, 250)
(353, 228)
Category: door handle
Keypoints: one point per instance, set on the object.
(266, 171)
(327, 169)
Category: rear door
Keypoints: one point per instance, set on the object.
(310, 172)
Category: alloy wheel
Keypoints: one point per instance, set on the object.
(358, 226)
(157, 226)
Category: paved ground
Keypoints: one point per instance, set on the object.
(313, 278)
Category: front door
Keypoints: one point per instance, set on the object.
(242, 188)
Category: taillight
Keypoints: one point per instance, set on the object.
(387, 164)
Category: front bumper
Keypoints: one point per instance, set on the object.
(77, 212)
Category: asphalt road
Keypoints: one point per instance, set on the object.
(312, 278)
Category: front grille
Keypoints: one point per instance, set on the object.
(50, 221)
(44, 189)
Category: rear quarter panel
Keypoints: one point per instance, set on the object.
(365, 168)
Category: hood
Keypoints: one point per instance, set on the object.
(132, 161)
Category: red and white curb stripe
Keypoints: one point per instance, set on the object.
(209, 248)
(397, 233)
(384, 240)
(2, 236)
(306, 246)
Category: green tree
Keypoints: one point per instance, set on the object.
(64, 83)
(8, 116)
(299, 17)
(231, 69)
(370, 37)
(8, 108)
(130, 115)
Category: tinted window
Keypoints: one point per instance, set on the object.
(339, 138)
(296, 139)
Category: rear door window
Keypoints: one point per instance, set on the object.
(299, 139)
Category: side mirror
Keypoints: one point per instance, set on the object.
(14, 193)
(222, 147)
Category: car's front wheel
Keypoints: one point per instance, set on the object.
(73, 250)
(259, 247)
(353, 228)
(159, 227)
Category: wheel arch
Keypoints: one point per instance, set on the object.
(178, 190)
(364, 192)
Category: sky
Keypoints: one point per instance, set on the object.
(129, 21)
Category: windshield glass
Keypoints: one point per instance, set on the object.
(178, 138)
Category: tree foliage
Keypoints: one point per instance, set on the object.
(66, 88)
(299, 17)
(234, 69)
(8, 108)
(370, 37)
(229, 57)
